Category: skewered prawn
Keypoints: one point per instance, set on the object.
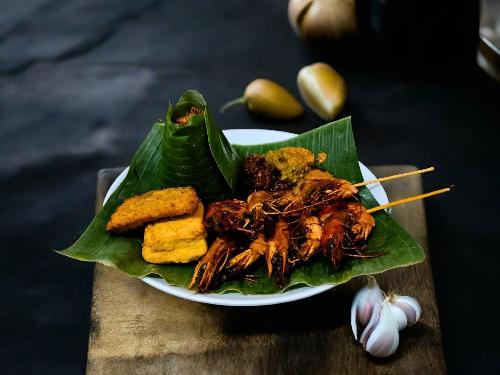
(277, 252)
(256, 249)
(360, 221)
(363, 222)
(286, 203)
(256, 209)
(334, 235)
(313, 230)
(226, 215)
(314, 191)
(256, 201)
(212, 262)
(344, 224)
(330, 209)
(321, 214)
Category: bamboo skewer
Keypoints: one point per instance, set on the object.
(407, 200)
(383, 206)
(420, 171)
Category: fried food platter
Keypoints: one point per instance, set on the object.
(248, 137)
(246, 217)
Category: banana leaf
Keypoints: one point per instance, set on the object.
(198, 154)
(164, 159)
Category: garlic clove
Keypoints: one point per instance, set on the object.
(354, 311)
(323, 89)
(296, 11)
(383, 340)
(329, 19)
(410, 307)
(370, 296)
(374, 319)
(322, 19)
(399, 316)
(366, 300)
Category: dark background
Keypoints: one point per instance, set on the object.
(81, 82)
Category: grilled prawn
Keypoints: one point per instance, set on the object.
(310, 228)
(225, 216)
(334, 234)
(362, 222)
(256, 210)
(344, 225)
(242, 261)
(212, 263)
(287, 203)
(277, 251)
(314, 191)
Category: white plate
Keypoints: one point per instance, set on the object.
(249, 137)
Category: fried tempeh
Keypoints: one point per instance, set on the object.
(177, 240)
(154, 205)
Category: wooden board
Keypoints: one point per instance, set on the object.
(137, 329)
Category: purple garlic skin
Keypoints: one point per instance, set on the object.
(381, 336)
(366, 300)
(399, 316)
(381, 317)
(409, 306)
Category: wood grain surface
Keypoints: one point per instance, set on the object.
(137, 329)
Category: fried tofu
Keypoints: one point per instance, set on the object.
(177, 240)
(154, 205)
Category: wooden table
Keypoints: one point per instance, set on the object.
(137, 329)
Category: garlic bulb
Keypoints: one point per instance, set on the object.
(381, 337)
(382, 318)
(269, 99)
(367, 300)
(323, 89)
(322, 19)
(407, 306)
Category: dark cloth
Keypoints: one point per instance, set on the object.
(81, 83)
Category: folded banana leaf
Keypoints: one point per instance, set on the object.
(199, 155)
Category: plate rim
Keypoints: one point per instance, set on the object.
(240, 299)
